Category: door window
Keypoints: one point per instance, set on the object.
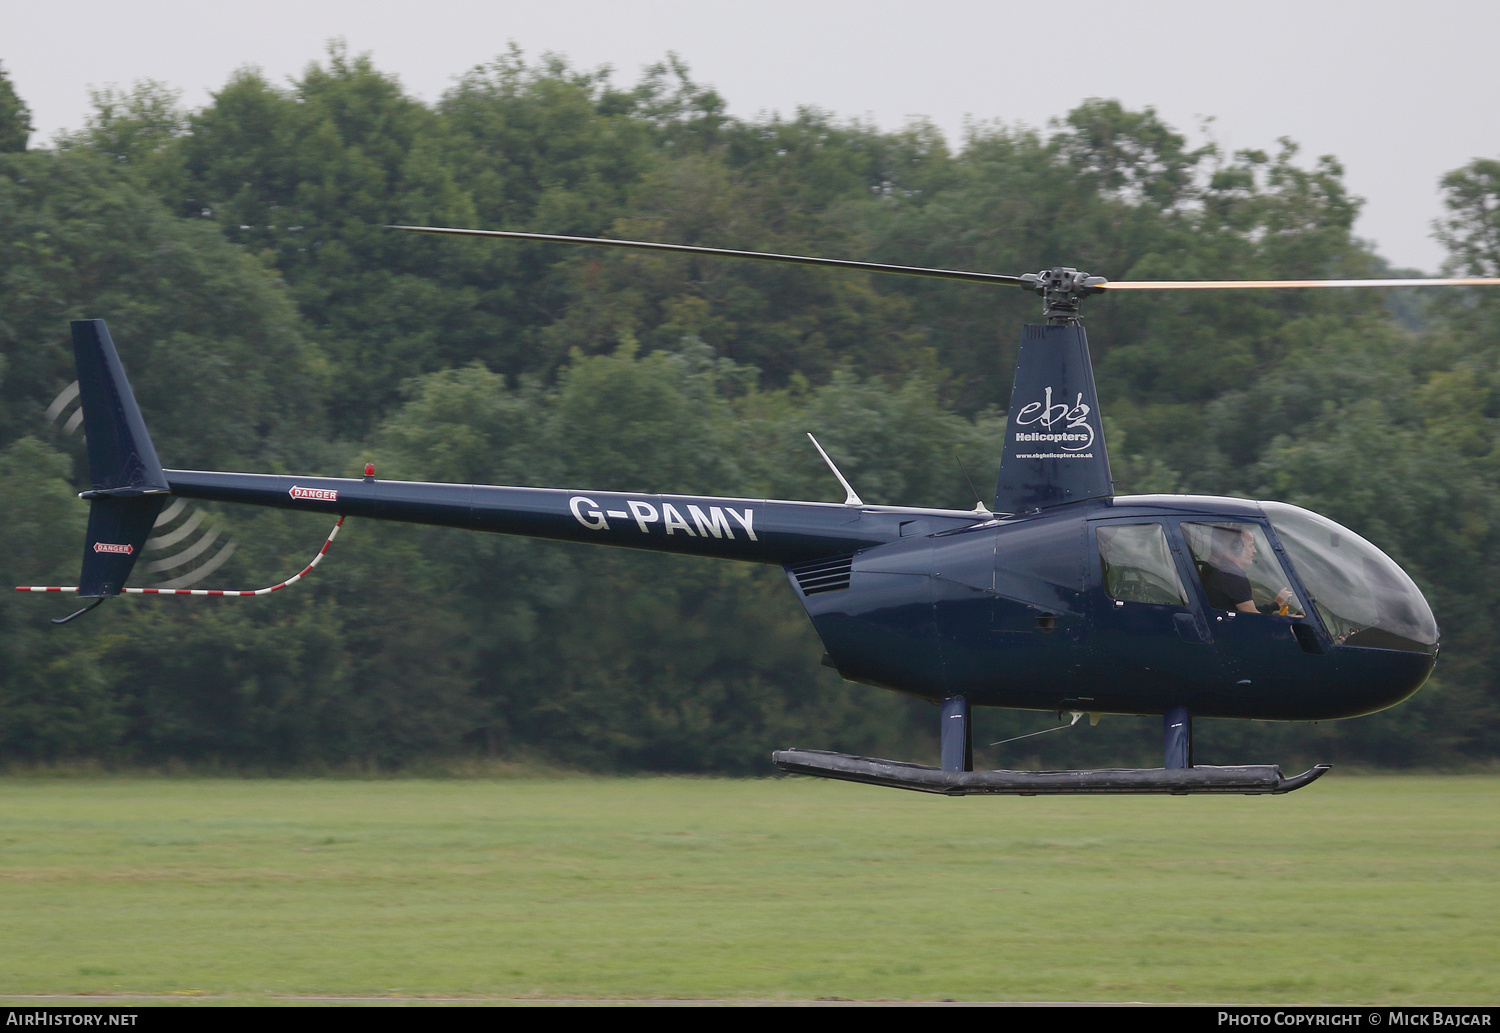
(1238, 569)
(1138, 566)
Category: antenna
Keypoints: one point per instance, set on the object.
(851, 499)
(979, 506)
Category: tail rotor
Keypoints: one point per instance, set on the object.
(205, 551)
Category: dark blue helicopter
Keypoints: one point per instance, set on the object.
(1059, 597)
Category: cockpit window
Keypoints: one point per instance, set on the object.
(1364, 598)
(1138, 565)
(1238, 569)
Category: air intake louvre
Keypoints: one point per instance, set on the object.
(830, 575)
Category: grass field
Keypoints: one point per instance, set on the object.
(1357, 889)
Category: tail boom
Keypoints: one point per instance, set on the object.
(755, 530)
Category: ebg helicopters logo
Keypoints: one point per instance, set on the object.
(1063, 427)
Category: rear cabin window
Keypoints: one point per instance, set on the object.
(1138, 565)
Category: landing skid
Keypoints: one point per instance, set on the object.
(1249, 779)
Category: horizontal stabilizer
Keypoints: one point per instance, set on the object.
(1249, 779)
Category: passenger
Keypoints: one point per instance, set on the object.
(1224, 579)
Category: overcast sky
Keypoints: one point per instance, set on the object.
(1400, 92)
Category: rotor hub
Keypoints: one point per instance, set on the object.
(1062, 290)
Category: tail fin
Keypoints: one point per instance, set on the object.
(128, 484)
(1054, 441)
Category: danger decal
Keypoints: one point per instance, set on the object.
(316, 494)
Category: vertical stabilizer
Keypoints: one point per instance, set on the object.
(1054, 441)
(121, 456)
(118, 528)
(128, 484)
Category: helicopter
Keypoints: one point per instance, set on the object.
(1059, 596)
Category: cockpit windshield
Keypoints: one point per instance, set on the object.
(1364, 598)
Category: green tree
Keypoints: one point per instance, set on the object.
(15, 117)
(259, 282)
(307, 179)
(216, 353)
(1472, 229)
(56, 701)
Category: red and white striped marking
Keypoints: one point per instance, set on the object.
(212, 591)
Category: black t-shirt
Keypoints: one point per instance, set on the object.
(1226, 589)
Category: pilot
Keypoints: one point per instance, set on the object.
(1225, 580)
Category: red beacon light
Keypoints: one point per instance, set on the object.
(369, 471)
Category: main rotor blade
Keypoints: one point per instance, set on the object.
(1214, 285)
(762, 256)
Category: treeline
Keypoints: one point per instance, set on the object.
(270, 323)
